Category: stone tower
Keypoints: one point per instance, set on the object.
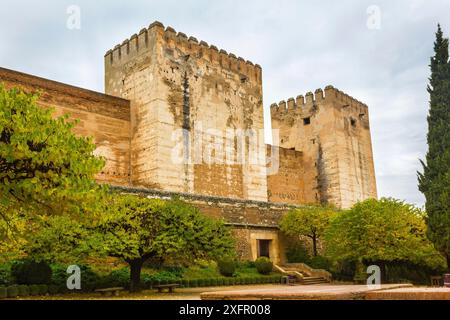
(331, 130)
(195, 113)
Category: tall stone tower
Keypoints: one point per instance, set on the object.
(331, 130)
(195, 114)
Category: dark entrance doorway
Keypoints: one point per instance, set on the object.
(263, 248)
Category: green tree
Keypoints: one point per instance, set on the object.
(44, 166)
(379, 232)
(434, 182)
(309, 222)
(136, 229)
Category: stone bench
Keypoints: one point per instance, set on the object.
(110, 291)
(170, 287)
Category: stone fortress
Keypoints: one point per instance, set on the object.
(183, 118)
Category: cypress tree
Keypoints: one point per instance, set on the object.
(434, 182)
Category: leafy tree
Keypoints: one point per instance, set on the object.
(434, 182)
(379, 232)
(44, 166)
(136, 229)
(310, 222)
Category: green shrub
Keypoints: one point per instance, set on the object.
(89, 279)
(5, 275)
(53, 289)
(31, 272)
(166, 276)
(247, 264)
(3, 292)
(227, 266)
(23, 290)
(12, 291)
(297, 253)
(264, 265)
(201, 282)
(116, 278)
(34, 290)
(184, 283)
(193, 283)
(226, 281)
(219, 281)
(319, 262)
(43, 289)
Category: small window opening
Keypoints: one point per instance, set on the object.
(306, 121)
(353, 122)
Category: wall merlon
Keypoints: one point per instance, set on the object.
(291, 104)
(300, 101)
(182, 35)
(309, 98)
(193, 40)
(170, 30)
(318, 95)
(156, 24)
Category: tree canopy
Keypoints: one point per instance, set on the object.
(434, 182)
(44, 166)
(381, 231)
(309, 221)
(136, 229)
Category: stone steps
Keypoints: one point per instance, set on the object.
(313, 280)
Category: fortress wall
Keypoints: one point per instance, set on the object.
(286, 185)
(105, 118)
(332, 131)
(177, 83)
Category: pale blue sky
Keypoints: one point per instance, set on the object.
(301, 46)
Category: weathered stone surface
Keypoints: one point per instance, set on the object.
(105, 118)
(332, 132)
(175, 84)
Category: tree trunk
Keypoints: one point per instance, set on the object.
(314, 240)
(135, 274)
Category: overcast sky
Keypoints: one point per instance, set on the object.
(376, 51)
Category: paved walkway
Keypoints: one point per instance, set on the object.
(417, 293)
(300, 292)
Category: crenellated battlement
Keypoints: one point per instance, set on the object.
(302, 103)
(188, 45)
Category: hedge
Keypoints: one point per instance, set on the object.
(12, 291)
(3, 292)
(24, 291)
